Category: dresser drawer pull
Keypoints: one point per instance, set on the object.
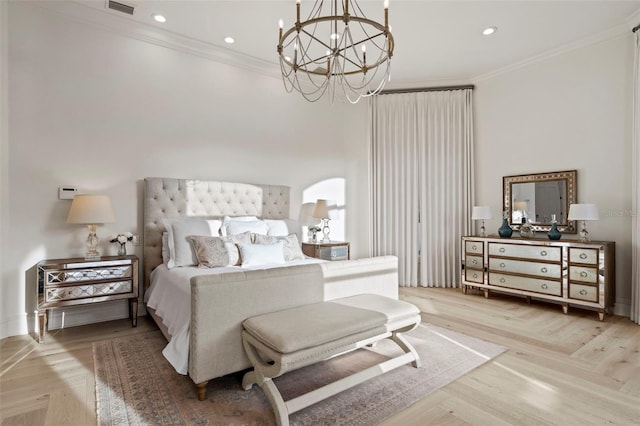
(502, 265)
(501, 250)
(544, 286)
(474, 247)
(544, 270)
(475, 275)
(583, 256)
(502, 280)
(543, 253)
(583, 274)
(583, 292)
(474, 262)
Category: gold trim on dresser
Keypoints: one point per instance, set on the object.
(567, 272)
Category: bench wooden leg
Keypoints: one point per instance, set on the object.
(201, 389)
(408, 348)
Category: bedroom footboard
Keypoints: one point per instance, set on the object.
(220, 303)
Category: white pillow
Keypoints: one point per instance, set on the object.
(277, 227)
(238, 227)
(261, 254)
(180, 252)
(292, 250)
(240, 218)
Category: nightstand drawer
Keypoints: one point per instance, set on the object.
(89, 290)
(333, 253)
(68, 276)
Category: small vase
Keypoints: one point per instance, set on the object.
(526, 230)
(122, 251)
(505, 230)
(554, 233)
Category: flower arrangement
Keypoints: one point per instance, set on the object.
(122, 240)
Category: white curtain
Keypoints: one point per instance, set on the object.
(422, 182)
(635, 185)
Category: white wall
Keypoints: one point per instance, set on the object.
(571, 111)
(100, 111)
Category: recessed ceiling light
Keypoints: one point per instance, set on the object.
(159, 18)
(229, 40)
(489, 31)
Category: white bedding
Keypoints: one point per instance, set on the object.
(170, 295)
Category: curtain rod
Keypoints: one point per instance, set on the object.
(636, 28)
(427, 89)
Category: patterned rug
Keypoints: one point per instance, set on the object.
(135, 385)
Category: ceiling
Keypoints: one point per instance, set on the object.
(436, 41)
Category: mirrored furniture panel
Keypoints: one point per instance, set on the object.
(567, 272)
(541, 198)
(76, 281)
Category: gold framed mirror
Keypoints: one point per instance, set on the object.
(539, 198)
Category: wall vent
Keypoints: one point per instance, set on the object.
(120, 7)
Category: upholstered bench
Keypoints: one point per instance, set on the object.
(286, 340)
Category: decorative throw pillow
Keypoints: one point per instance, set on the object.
(292, 250)
(165, 248)
(261, 254)
(236, 227)
(213, 252)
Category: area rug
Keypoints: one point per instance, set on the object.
(135, 385)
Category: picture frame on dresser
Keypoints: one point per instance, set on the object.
(567, 272)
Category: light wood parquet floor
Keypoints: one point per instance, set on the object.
(559, 369)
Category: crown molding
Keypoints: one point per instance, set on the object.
(618, 31)
(107, 20)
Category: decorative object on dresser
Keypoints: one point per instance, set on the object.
(567, 272)
(539, 196)
(554, 233)
(306, 219)
(329, 250)
(481, 213)
(322, 212)
(91, 210)
(122, 239)
(526, 230)
(76, 281)
(583, 212)
(505, 230)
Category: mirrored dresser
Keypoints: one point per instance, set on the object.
(76, 281)
(567, 272)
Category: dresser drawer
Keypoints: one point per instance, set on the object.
(583, 255)
(546, 270)
(333, 253)
(55, 277)
(583, 292)
(553, 254)
(474, 275)
(583, 273)
(476, 262)
(88, 290)
(523, 283)
(474, 247)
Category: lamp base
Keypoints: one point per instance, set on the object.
(92, 244)
(326, 230)
(584, 234)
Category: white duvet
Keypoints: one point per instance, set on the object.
(170, 296)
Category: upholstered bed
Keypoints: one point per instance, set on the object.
(214, 302)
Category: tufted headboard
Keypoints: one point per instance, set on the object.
(166, 198)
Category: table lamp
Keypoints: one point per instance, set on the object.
(90, 210)
(481, 213)
(583, 212)
(322, 212)
(306, 219)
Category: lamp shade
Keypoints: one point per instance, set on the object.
(583, 212)
(322, 209)
(520, 205)
(306, 217)
(481, 212)
(91, 209)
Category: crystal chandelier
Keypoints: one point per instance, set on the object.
(337, 48)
